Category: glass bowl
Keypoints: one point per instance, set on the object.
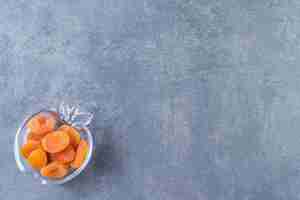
(83, 119)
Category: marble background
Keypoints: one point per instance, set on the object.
(193, 99)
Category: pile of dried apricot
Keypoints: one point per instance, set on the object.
(51, 150)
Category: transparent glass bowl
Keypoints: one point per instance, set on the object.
(22, 164)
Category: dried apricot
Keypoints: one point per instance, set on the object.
(29, 146)
(37, 158)
(73, 134)
(55, 141)
(33, 136)
(81, 153)
(41, 124)
(64, 156)
(54, 170)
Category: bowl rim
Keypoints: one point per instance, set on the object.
(45, 180)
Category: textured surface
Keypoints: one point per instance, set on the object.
(195, 99)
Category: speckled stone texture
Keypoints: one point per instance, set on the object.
(195, 99)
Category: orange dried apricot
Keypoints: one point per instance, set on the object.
(55, 141)
(33, 136)
(54, 170)
(64, 156)
(41, 124)
(73, 134)
(37, 158)
(28, 147)
(81, 153)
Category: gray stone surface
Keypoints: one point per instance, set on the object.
(196, 99)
